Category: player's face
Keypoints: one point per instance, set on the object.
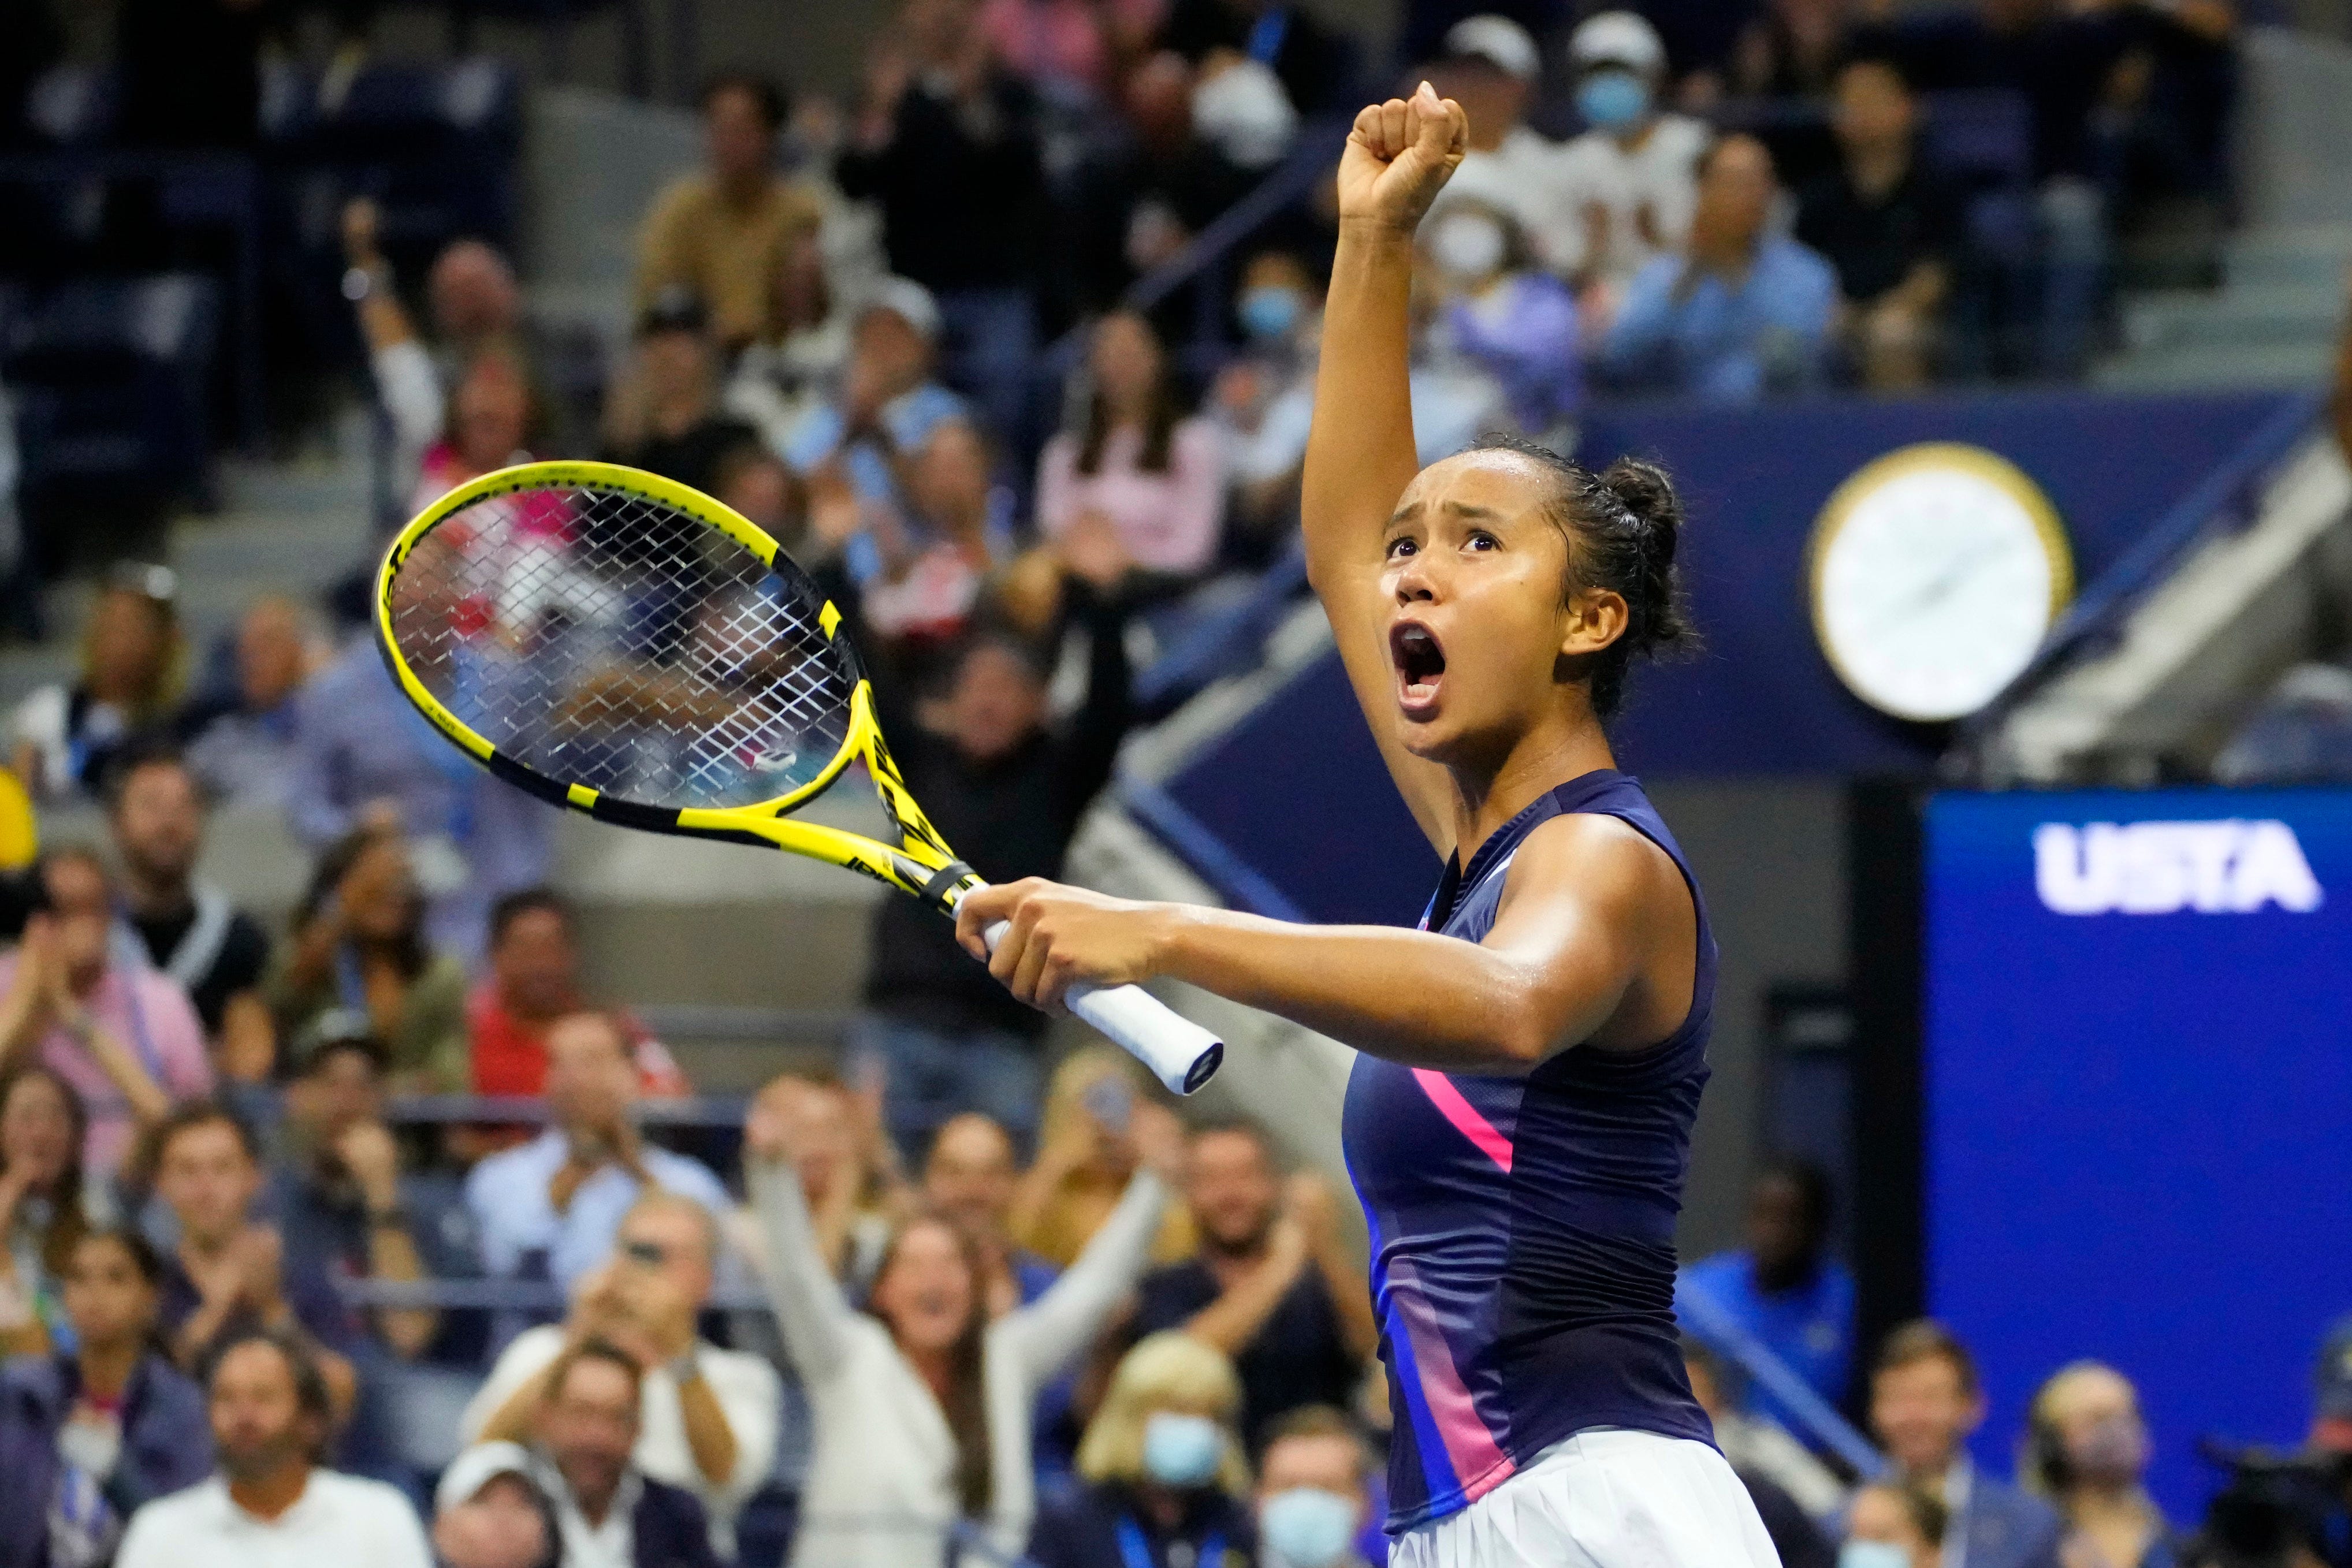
(926, 1292)
(1477, 626)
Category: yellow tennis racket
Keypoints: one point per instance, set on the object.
(623, 645)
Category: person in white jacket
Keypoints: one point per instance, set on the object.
(922, 1405)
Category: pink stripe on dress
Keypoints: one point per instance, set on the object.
(1465, 1116)
(1478, 1461)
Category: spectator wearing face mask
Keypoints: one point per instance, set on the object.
(1264, 401)
(1165, 1475)
(1895, 1526)
(1492, 67)
(1746, 312)
(1312, 1500)
(63, 738)
(239, 739)
(2086, 1448)
(1925, 1401)
(122, 1034)
(1513, 320)
(87, 1436)
(1272, 1287)
(1627, 187)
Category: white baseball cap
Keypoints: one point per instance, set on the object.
(1497, 41)
(907, 299)
(1617, 39)
(476, 1468)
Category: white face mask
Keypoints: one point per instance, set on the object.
(1467, 245)
(1872, 1554)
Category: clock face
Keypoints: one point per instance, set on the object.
(1936, 572)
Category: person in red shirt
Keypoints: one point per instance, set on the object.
(534, 979)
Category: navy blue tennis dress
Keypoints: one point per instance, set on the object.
(1523, 1228)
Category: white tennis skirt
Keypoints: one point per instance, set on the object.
(1608, 1499)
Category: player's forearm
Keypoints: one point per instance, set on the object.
(1405, 996)
(1360, 449)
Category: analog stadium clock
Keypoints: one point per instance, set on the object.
(1935, 572)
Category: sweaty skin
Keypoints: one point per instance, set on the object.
(1595, 941)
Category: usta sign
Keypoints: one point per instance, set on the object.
(2230, 867)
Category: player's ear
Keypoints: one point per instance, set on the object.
(1592, 620)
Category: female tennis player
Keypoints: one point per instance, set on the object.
(1519, 1125)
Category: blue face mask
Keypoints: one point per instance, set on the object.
(1612, 99)
(1872, 1554)
(1182, 1450)
(1306, 1527)
(1270, 310)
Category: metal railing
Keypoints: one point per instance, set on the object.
(2226, 498)
(1706, 1319)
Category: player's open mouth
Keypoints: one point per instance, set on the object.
(1419, 665)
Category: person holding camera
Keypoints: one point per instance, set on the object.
(707, 1416)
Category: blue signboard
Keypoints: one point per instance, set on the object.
(2139, 1102)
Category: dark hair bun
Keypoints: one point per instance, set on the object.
(1660, 619)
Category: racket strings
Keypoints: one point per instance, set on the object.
(601, 638)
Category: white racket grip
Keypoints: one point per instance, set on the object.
(1180, 1054)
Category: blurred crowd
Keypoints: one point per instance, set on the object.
(963, 345)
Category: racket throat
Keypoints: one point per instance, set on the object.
(944, 888)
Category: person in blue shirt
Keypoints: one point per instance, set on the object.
(1745, 312)
(1783, 1288)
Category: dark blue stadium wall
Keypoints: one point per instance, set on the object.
(1761, 701)
(2139, 1103)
